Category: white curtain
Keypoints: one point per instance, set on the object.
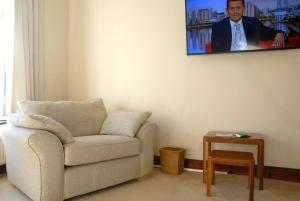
(28, 52)
(6, 54)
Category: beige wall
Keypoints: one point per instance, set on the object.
(55, 33)
(133, 54)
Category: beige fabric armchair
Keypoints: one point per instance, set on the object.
(45, 169)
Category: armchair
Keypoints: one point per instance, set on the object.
(46, 169)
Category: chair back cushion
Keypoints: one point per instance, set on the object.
(81, 118)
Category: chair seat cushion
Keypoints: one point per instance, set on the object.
(96, 148)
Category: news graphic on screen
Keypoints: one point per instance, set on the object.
(217, 26)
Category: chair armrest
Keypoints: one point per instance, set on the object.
(146, 136)
(2, 154)
(34, 162)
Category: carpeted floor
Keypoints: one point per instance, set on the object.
(185, 187)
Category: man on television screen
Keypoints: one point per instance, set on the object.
(238, 32)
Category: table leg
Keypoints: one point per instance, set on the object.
(260, 164)
(204, 159)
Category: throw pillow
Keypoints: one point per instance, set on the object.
(124, 123)
(36, 121)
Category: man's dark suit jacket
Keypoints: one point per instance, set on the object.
(254, 30)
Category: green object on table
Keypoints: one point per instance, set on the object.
(240, 135)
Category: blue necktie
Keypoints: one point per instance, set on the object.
(237, 37)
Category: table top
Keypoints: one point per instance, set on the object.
(224, 136)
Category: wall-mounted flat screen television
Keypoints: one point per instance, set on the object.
(215, 26)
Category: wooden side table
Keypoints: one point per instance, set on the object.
(254, 139)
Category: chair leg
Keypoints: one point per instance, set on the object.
(204, 171)
(251, 182)
(249, 178)
(213, 174)
(209, 177)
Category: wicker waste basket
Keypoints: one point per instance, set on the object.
(172, 160)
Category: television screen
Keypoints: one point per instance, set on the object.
(214, 26)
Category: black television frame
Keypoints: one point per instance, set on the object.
(241, 51)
